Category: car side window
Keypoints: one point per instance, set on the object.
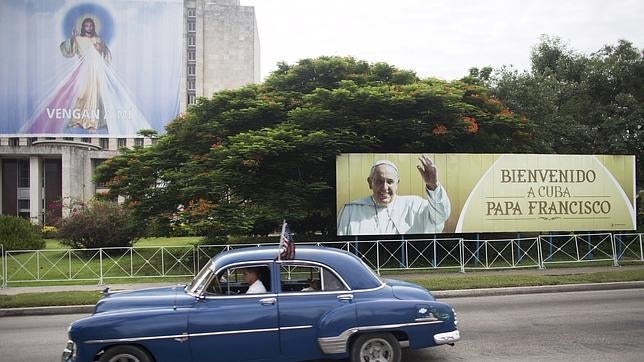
(308, 278)
(247, 279)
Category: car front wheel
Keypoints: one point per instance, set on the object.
(125, 354)
(377, 347)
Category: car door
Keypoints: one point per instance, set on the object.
(226, 326)
(307, 293)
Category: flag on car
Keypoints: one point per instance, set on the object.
(287, 246)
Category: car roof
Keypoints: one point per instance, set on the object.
(350, 267)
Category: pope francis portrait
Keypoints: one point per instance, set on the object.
(384, 212)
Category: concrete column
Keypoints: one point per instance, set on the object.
(73, 168)
(35, 189)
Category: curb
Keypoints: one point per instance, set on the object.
(485, 292)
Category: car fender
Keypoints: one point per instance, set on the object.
(160, 330)
(417, 320)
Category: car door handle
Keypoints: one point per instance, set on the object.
(345, 297)
(268, 301)
(183, 338)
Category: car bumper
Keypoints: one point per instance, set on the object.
(69, 353)
(448, 337)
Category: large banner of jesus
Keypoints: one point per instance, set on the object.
(380, 194)
(105, 68)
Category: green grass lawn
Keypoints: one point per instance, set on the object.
(430, 281)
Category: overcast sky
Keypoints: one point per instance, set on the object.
(439, 38)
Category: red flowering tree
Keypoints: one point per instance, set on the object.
(266, 152)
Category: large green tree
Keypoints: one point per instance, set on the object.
(243, 160)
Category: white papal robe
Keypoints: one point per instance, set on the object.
(404, 215)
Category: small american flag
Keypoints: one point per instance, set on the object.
(287, 246)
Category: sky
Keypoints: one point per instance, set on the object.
(439, 38)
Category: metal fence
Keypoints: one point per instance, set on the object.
(458, 254)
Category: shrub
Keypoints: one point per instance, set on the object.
(17, 233)
(100, 224)
(49, 231)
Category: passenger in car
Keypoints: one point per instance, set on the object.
(313, 285)
(252, 276)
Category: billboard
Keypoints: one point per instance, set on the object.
(105, 68)
(484, 193)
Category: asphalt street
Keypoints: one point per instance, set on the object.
(566, 326)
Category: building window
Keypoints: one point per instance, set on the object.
(191, 69)
(104, 143)
(23, 208)
(86, 140)
(14, 141)
(192, 54)
(191, 99)
(121, 142)
(138, 142)
(192, 39)
(192, 13)
(192, 26)
(31, 140)
(23, 173)
(68, 138)
(191, 84)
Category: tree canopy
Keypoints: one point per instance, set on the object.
(580, 104)
(243, 160)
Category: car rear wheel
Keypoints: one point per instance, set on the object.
(125, 354)
(377, 347)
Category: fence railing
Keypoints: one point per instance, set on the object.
(459, 254)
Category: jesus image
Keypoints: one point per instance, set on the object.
(91, 98)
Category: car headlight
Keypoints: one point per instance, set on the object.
(455, 317)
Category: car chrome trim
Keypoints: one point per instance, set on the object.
(426, 319)
(370, 289)
(333, 345)
(338, 344)
(183, 337)
(133, 339)
(295, 328)
(244, 331)
(447, 337)
(240, 296)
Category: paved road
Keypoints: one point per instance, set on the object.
(578, 326)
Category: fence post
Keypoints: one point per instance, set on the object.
(478, 248)
(100, 261)
(641, 251)
(403, 252)
(377, 256)
(434, 254)
(519, 253)
(462, 254)
(612, 243)
(540, 253)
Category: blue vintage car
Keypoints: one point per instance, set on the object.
(323, 304)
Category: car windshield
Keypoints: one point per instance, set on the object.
(200, 279)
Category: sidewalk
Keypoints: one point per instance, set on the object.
(438, 294)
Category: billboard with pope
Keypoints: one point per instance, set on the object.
(390, 194)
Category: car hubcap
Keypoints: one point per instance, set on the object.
(377, 350)
(124, 358)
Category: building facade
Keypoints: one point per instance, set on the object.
(220, 51)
